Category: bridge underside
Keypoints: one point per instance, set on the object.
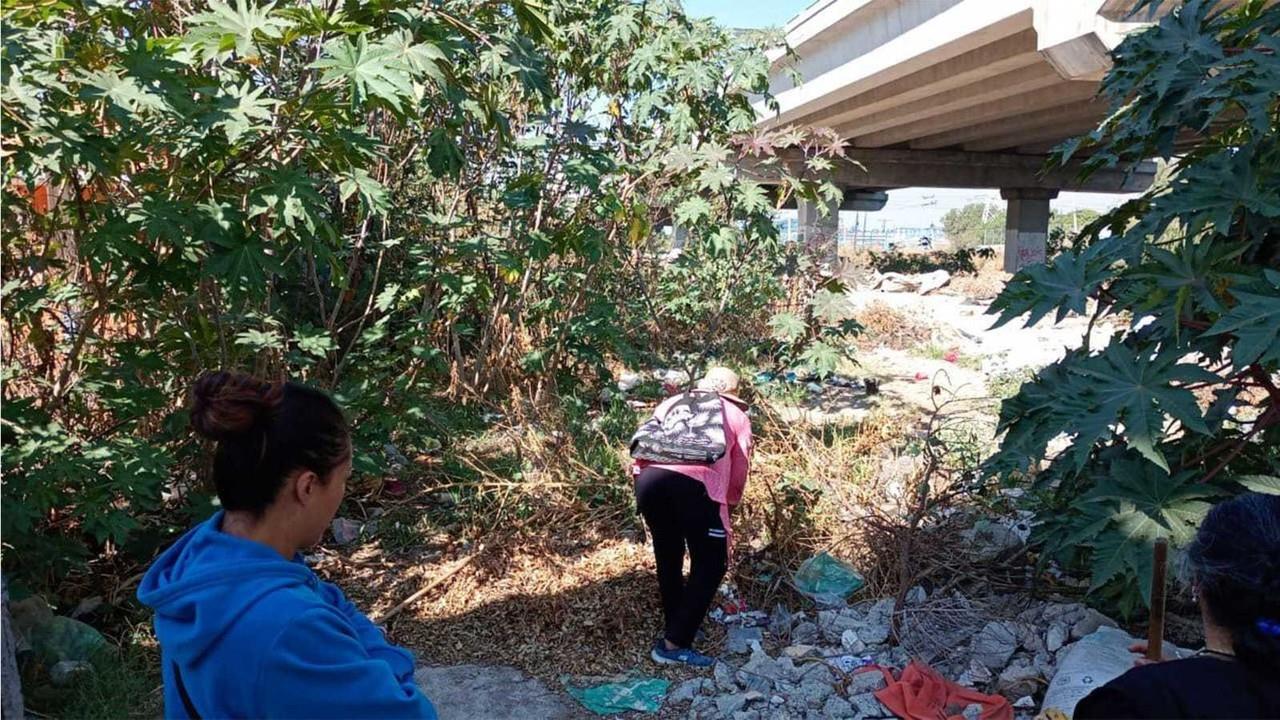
(956, 93)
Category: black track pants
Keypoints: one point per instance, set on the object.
(680, 515)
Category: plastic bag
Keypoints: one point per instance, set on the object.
(620, 695)
(1093, 661)
(826, 580)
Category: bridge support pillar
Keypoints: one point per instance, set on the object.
(818, 230)
(1026, 228)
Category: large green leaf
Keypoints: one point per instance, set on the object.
(1255, 321)
(224, 29)
(1139, 392)
(368, 70)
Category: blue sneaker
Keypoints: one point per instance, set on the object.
(679, 656)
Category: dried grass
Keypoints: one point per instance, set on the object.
(884, 325)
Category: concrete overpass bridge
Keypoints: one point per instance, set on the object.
(954, 93)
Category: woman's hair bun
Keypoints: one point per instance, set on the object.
(225, 405)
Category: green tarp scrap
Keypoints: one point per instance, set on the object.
(611, 696)
(827, 580)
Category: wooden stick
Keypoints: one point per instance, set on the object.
(439, 580)
(1155, 632)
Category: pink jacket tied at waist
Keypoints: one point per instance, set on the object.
(726, 478)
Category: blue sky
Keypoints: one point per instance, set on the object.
(747, 13)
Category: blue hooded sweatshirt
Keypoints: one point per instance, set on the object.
(255, 635)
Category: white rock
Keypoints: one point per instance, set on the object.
(994, 644)
(851, 644)
(916, 595)
(1055, 638)
(972, 712)
(1026, 701)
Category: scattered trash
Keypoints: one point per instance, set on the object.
(849, 663)
(345, 530)
(921, 693)
(826, 580)
(951, 356)
(920, 376)
(618, 695)
(53, 638)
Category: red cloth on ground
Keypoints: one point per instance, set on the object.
(921, 693)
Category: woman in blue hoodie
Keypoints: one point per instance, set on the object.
(245, 628)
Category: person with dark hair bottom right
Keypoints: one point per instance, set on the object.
(245, 628)
(1234, 563)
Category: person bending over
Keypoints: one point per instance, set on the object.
(245, 628)
(686, 505)
(1234, 563)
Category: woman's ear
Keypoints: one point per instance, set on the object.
(305, 486)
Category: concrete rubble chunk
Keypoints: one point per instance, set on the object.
(837, 707)
(727, 705)
(739, 638)
(1056, 637)
(865, 682)
(1089, 624)
(796, 652)
(686, 691)
(805, 632)
(724, 677)
(878, 625)
(1016, 681)
(867, 706)
(851, 643)
(760, 672)
(833, 623)
(815, 693)
(972, 712)
(916, 595)
(994, 644)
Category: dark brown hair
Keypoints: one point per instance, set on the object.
(265, 431)
(1235, 561)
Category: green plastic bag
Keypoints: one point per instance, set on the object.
(620, 695)
(826, 580)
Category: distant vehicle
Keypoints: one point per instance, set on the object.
(926, 243)
(891, 246)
